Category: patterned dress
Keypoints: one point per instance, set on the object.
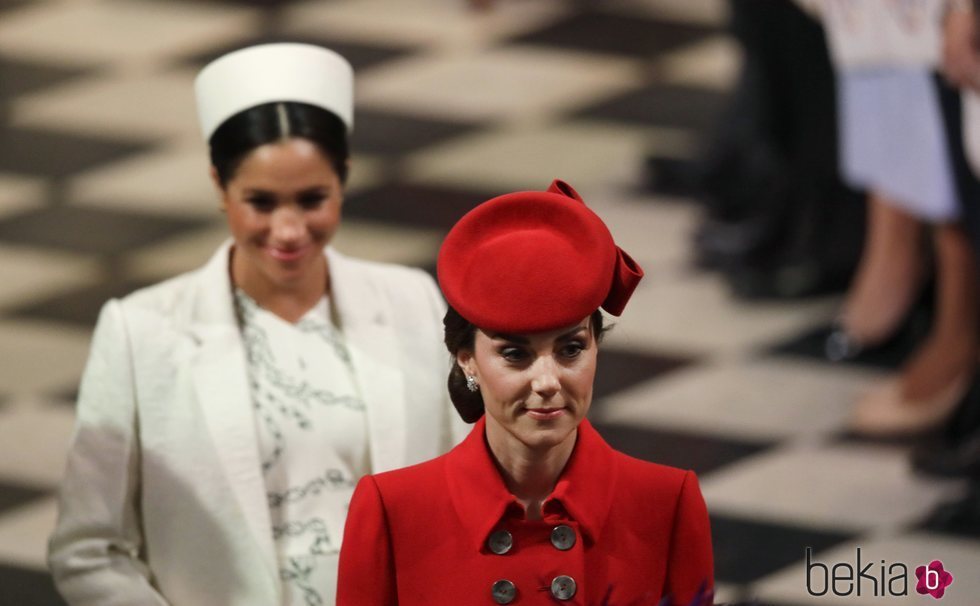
(312, 433)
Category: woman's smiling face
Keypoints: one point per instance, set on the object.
(536, 387)
(283, 206)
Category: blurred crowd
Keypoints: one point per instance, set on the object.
(847, 160)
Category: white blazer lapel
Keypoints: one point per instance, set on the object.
(367, 326)
(221, 386)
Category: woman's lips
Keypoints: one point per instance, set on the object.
(287, 254)
(545, 414)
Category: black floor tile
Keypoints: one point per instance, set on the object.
(597, 31)
(51, 153)
(958, 518)
(390, 134)
(620, 369)
(667, 105)
(360, 55)
(679, 178)
(92, 230)
(6, 5)
(22, 587)
(66, 398)
(686, 450)
(19, 76)
(747, 550)
(79, 307)
(889, 355)
(14, 495)
(414, 205)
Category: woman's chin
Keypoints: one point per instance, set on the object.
(546, 437)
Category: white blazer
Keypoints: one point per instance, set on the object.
(163, 500)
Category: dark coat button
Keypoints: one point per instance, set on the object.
(563, 537)
(563, 587)
(500, 542)
(504, 592)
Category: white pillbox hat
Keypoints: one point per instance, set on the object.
(274, 72)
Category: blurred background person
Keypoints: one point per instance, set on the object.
(225, 415)
(894, 144)
(768, 174)
(955, 451)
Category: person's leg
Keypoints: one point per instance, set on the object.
(949, 354)
(889, 274)
(932, 383)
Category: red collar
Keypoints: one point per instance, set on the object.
(585, 488)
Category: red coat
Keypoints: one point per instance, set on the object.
(419, 535)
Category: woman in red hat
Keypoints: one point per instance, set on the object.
(533, 507)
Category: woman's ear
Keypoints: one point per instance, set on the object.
(216, 180)
(464, 358)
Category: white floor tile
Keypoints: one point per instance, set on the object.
(120, 34)
(24, 534)
(40, 357)
(713, 63)
(703, 12)
(175, 255)
(131, 106)
(845, 486)
(34, 442)
(585, 155)
(693, 312)
(19, 194)
(763, 399)
(415, 22)
(500, 84)
(30, 274)
(171, 181)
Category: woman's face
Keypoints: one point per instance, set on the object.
(537, 387)
(283, 206)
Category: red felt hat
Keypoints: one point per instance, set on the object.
(534, 261)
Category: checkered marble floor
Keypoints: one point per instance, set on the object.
(103, 189)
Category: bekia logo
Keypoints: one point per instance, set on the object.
(933, 580)
(878, 579)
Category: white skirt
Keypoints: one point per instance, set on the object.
(893, 140)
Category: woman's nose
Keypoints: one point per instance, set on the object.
(287, 224)
(545, 381)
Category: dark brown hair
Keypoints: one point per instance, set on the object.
(460, 334)
(254, 127)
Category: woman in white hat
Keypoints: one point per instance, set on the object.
(225, 415)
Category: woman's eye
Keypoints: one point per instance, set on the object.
(312, 201)
(572, 350)
(513, 354)
(262, 203)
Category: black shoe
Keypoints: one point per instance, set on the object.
(956, 453)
